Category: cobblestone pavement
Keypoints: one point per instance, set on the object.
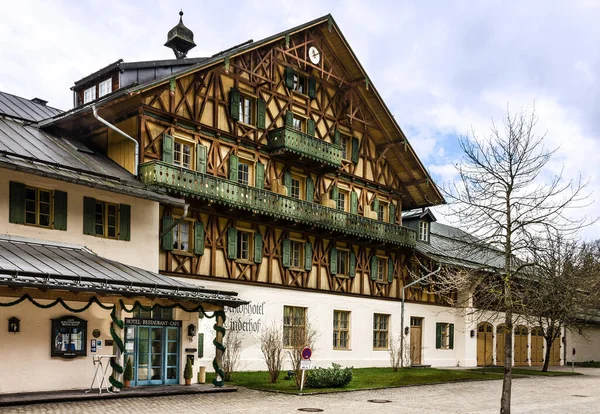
(579, 394)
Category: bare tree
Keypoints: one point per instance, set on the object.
(503, 197)
(271, 345)
(296, 339)
(395, 352)
(231, 356)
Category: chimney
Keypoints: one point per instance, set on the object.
(39, 101)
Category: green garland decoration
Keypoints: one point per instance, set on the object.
(58, 301)
(218, 369)
(114, 364)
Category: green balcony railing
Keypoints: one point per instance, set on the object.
(219, 190)
(288, 139)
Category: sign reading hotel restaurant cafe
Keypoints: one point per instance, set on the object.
(153, 322)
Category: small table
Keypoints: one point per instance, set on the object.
(102, 363)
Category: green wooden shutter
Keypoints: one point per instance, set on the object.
(310, 190)
(390, 270)
(167, 239)
(17, 203)
(451, 336)
(353, 202)
(310, 127)
(312, 88)
(89, 210)
(438, 335)
(201, 158)
(200, 345)
(308, 256)
(375, 204)
(352, 266)
(354, 150)
(289, 118)
(259, 177)
(124, 222)
(167, 148)
(374, 261)
(336, 137)
(233, 167)
(289, 77)
(258, 247)
(60, 210)
(392, 213)
(285, 254)
(287, 182)
(333, 254)
(234, 104)
(199, 238)
(261, 114)
(335, 194)
(232, 243)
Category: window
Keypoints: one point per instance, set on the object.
(298, 123)
(380, 331)
(423, 231)
(68, 337)
(344, 141)
(246, 110)
(181, 236)
(89, 94)
(342, 262)
(296, 254)
(105, 219)
(294, 322)
(341, 329)
(381, 211)
(296, 187)
(444, 335)
(299, 83)
(182, 154)
(104, 88)
(38, 205)
(341, 201)
(243, 173)
(381, 269)
(244, 245)
(156, 313)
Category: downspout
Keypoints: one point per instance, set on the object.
(117, 130)
(186, 206)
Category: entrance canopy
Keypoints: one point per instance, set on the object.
(31, 263)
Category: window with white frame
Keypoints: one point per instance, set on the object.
(296, 188)
(89, 94)
(299, 83)
(342, 200)
(243, 172)
(298, 123)
(444, 335)
(344, 143)
(424, 231)
(246, 110)
(381, 324)
(104, 88)
(244, 245)
(296, 254)
(381, 269)
(343, 259)
(181, 236)
(382, 211)
(183, 153)
(341, 329)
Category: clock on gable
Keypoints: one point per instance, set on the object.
(314, 55)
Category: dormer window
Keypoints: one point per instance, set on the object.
(424, 231)
(104, 88)
(89, 94)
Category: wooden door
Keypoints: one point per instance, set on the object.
(416, 340)
(485, 344)
(521, 346)
(555, 352)
(501, 332)
(537, 347)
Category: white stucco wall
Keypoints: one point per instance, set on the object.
(586, 344)
(141, 250)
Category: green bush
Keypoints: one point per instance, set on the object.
(334, 377)
(188, 372)
(128, 374)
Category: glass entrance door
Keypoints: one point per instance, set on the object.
(156, 354)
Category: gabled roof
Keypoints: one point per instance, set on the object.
(20, 108)
(455, 247)
(419, 190)
(419, 214)
(41, 264)
(26, 148)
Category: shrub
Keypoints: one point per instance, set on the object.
(334, 377)
(188, 372)
(128, 374)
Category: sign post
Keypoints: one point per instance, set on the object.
(573, 361)
(305, 364)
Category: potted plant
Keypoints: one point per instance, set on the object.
(188, 372)
(128, 374)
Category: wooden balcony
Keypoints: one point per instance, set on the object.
(290, 144)
(189, 183)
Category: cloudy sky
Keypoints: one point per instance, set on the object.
(443, 67)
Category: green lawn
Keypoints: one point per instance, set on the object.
(363, 378)
(525, 371)
(588, 364)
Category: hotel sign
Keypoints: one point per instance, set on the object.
(153, 322)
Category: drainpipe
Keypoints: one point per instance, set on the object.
(117, 130)
(186, 206)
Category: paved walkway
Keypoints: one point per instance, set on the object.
(578, 394)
